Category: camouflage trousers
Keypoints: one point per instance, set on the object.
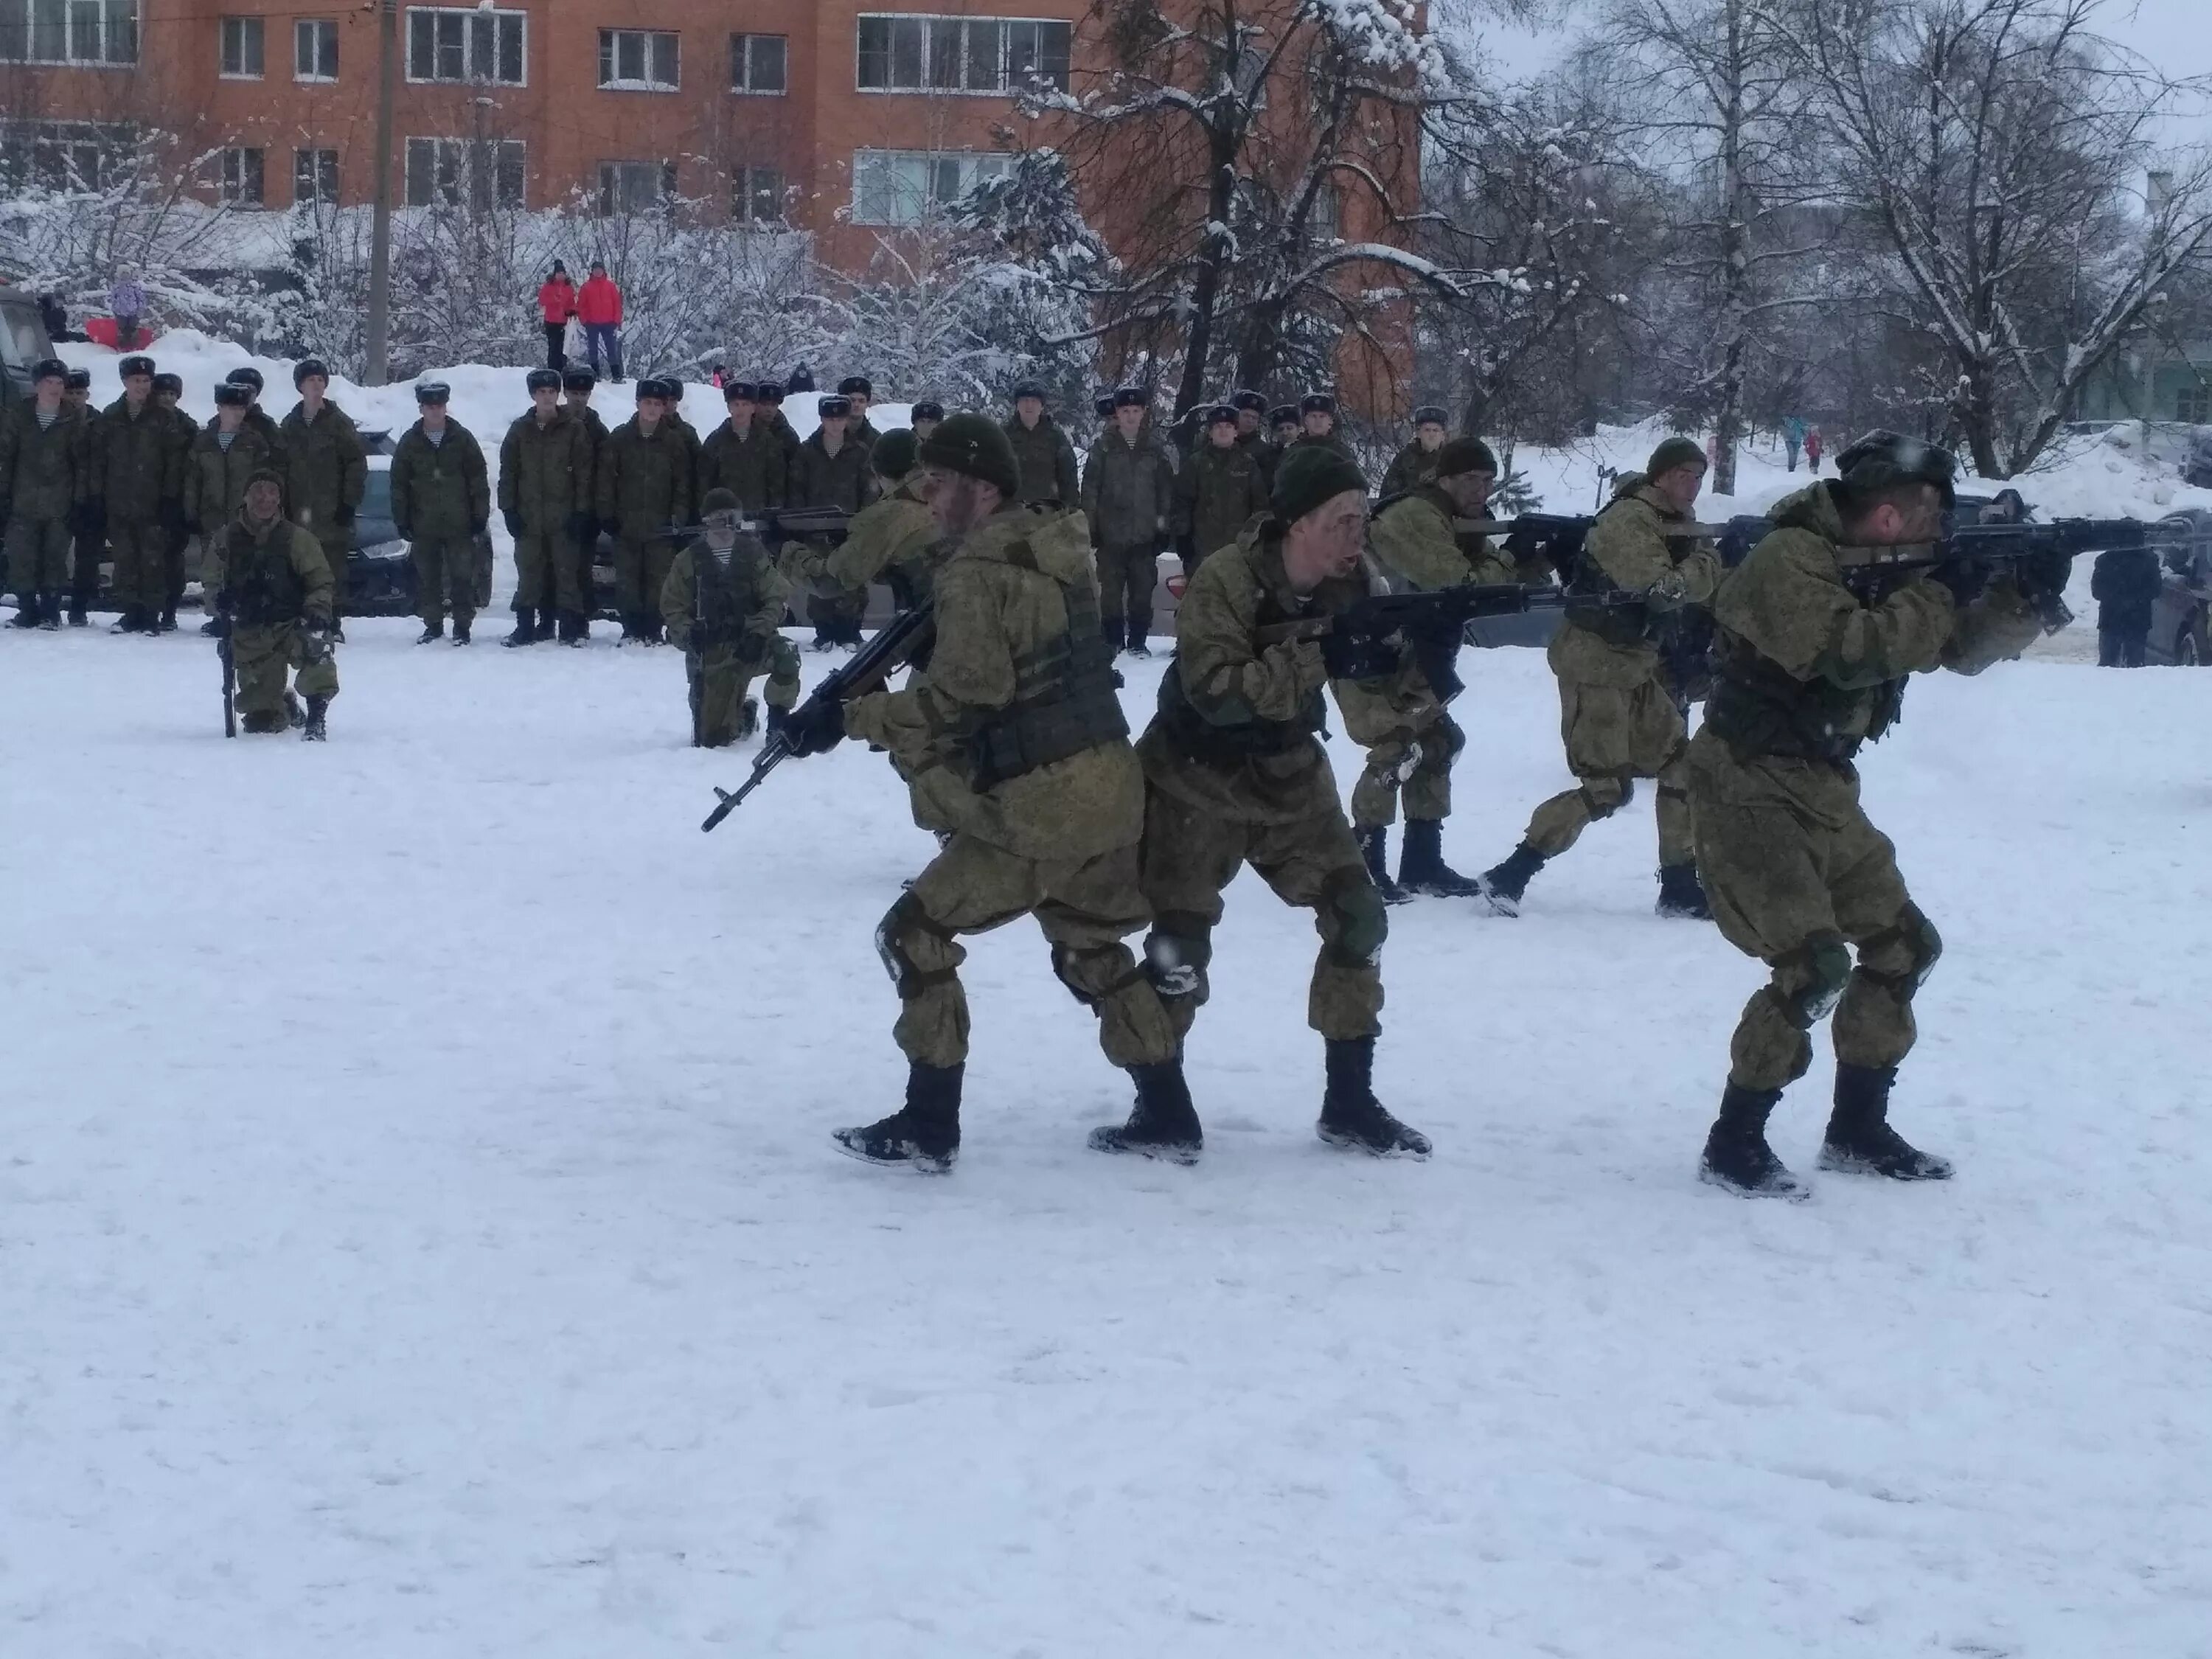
(641, 572)
(1127, 576)
(38, 555)
(445, 578)
(719, 679)
(1613, 737)
(141, 563)
(261, 656)
(1191, 855)
(1800, 878)
(1085, 909)
(547, 572)
(1411, 743)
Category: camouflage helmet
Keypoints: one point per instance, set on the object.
(1883, 457)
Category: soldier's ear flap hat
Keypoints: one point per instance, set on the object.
(77, 380)
(1430, 415)
(929, 410)
(1029, 389)
(831, 407)
(1311, 476)
(975, 447)
(577, 380)
(130, 366)
(1132, 397)
(246, 375)
(230, 396)
(1283, 415)
(1465, 455)
(1884, 458)
(308, 366)
(1221, 415)
(542, 379)
(1251, 400)
(48, 368)
(432, 391)
(1318, 403)
(1673, 452)
(857, 384)
(173, 383)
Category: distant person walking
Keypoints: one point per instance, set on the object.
(599, 309)
(557, 304)
(2125, 585)
(1812, 449)
(126, 303)
(1793, 438)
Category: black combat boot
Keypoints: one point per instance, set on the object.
(1351, 1116)
(1375, 850)
(1503, 885)
(314, 731)
(1737, 1157)
(149, 624)
(461, 625)
(924, 1133)
(128, 622)
(338, 625)
(1681, 895)
(1860, 1141)
(749, 719)
(26, 611)
(435, 630)
(50, 611)
(1141, 628)
(210, 628)
(168, 619)
(1422, 869)
(1162, 1124)
(526, 628)
(77, 616)
(779, 722)
(263, 723)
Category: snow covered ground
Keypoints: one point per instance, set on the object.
(419, 1234)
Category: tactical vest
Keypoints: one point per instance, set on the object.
(1064, 701)
(1221, 744)
(1758, 709)
(265, 591)
(1585, 579)
(722, 596)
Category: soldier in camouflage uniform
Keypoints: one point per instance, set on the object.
(894, 539)
(744, 455)
(1235, 775)
(441, 502)
(1416, 464)
(723, 604)
(832, 471)
(1317, 424)
(1041, 451)
(141, 477)
(771, 398)
(1014, 731)
(1219, 489)
(46, 468)
(167, 390)
(89, 530)
(1809, 665)
(1127, 492)
(645, 485)
(545, 491)
(1618, 711)
(258, 417)
(1252, 436)
(926, 415)
(859, 391)
(577, 386)
(225, 454)
(1411, 740)
(326, 472)
(269, 588)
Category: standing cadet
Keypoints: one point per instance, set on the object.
(441, 502)
(1616, 709)
(894, 539)
(645, 485)
(1252, 434)
(577, 386)
(744, 455)
(1808, 668)
(88, 529)
(832, 471)
(1128, 491)
(858, 390)
(926, 415)
(46, 480)
(269, 588)
(168, 389)
(1042, 454)
(1317, 423)
(545, 487)
(1416, 464)
(225, 454)
(1013, 730)
(1234, 775)
(141, 477)
(326, 471)
(1219, 489)
(1411, 740)
(256, 416)
(1283, 421)
(723, 604)
(772, 395)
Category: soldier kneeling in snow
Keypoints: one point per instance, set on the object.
(723, 603)
(271, 589)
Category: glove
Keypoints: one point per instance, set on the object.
(315, 641)
(1669, 592)
(2046, 573)
(1357, 657)
(1524, 541)
(1965, 576)
(514, 522)
(583, 531)
(343, 517)
(817, 727)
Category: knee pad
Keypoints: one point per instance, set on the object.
(905, 925)
(1826, 963)
(1912, 942)
(1354, 922)
(1603, 797)
(1067, 965)
(1176, 954)
(1454, 736)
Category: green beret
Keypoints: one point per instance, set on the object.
(1673, 452)
(894, 454)
(1310, 476)
(1465, 455)
(974, 447)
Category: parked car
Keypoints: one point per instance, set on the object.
(23, 342)
(2181, 620)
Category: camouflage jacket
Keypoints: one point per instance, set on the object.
(1044, 460)
(45, 472)
(721, 608)
(141, 466)
(754, 468)
(1635, 540)
(214, 477)
(645, 483)
(1411, 467)
(326, 468)
(439, 491)
(545, 471)
(818, 478)
(1217, 493)
(270, 577)
(893, 540)
(1412, 539)
(1128, 490)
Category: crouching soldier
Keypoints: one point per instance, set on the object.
(723, 603)
(1235, 775)
(270, 591)
(441, 502)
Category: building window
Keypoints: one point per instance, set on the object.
(242, 47)
(315, 49)
(637, 60)
(960, 54)
(756, 195)
(756, 63)
(634, 186)
(455, 171)
(69, 31)
(2193, 405)
(465, 45)
(315, 177)
(241, 178)
(62, 155)
(904, 186)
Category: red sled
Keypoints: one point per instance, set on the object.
(100, 331)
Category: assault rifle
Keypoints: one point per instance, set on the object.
(2036, 555)
(898, 642)
(229, 672)
(790, 524)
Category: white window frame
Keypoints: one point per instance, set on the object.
(648, 45)
(451, 156)
(316, 197)
(746, 184)
(742, 45)
(322, 31)
(918, 176)
(466, 20)
(245, 30)
(931, 28)
(82, 33)
(231, 175)
(617, 176)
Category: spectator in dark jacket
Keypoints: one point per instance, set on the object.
(2125, 585)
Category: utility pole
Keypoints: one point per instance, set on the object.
(379, 223)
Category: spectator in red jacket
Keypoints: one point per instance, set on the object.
(1812, 449)
(598, 308)
(557, 303)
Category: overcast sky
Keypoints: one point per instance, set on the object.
(2174, 34)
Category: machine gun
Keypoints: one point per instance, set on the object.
(899, 642)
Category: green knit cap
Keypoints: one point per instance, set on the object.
(1308, 476)
(894, 454)
(974, 446)
(1465, 455)
(1674, 452)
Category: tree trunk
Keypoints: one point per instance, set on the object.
(1735, 266)
(1206, 291)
